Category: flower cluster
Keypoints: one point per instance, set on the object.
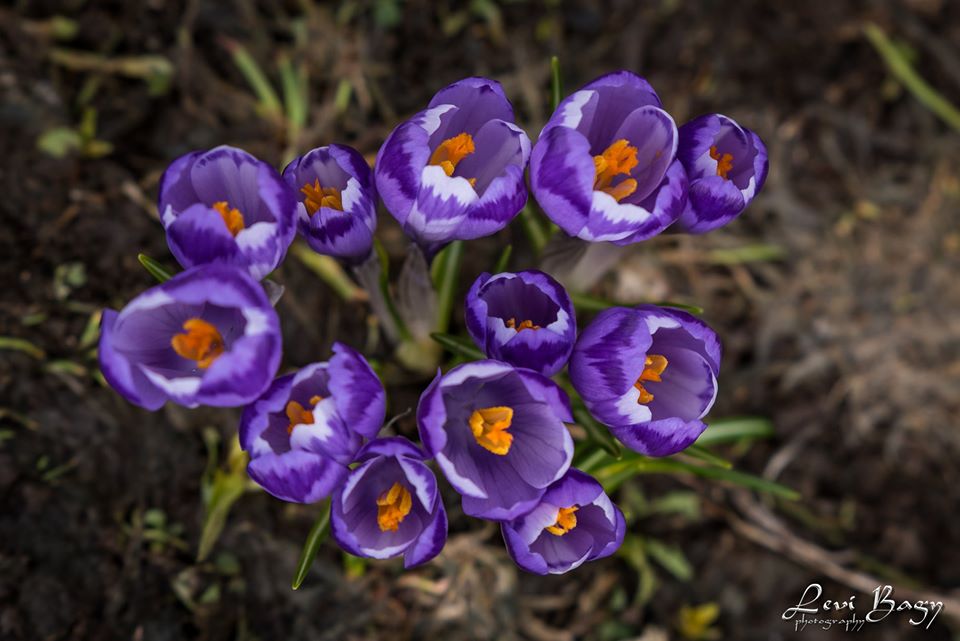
(609, 166)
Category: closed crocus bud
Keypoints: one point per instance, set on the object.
(307, 427)
(337, 212)
(390, 505)
(225, 206)
(455, 170)
(649, 374)
(726, 165)
(573, 523)
(207, 336)
(604, 167)
(498, 434)
(525, 319)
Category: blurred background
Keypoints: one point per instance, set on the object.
(836, 296)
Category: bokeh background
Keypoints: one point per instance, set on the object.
(836, 296)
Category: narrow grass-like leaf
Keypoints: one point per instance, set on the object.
(227, 487)
(21, 345)
(459, 346)
(156, 269)
(503, 260)
(671, 466)
(903, 71)
(556, 83)
(728, 430)
(312, 545)
(269, 103)
(534, 230)
(703, 454)
(756, 253)
(597, 432)
(447, 287)
(330, 271)
(671, 558)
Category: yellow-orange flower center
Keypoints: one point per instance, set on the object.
(451, 151)
(392, 507)
(316, 197)
(653, 367)
(527, 324)
(618, 159)
(566, 521)
(201, 342)
(297, 414)
(724, 162)
(489, 426)
(232, 217)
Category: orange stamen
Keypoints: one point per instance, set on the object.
(201, 342)
(653, 367)
(618, 159)
(232, 217)
(724, 162)
(566, 521)
(489, 426)
(392, 507)
(527, 324)
(297, 414)
(316, 197)
(451, 151)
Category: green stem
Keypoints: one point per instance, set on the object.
(448, 285)
(556, 84)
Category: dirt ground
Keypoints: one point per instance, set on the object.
(836, 296)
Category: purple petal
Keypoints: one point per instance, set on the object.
(561, 177)
(359, 394)
(297, 476)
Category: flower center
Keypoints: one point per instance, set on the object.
(618, 159)
(489, 426)
(392, 507)
(232, 217)
(316, 197)
(201, 342)
(653, 367)
(527, 324)
(297, 414)
(566, 521)
(724, 162)
(451, 151)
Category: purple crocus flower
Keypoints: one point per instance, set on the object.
(207, 336)
(226, 206)
(650, 374)
(390, 505)
(525, 319)
(337, 213)
(726, 165)
(455, 170)
(305, 430)
(497, 433)
(604, 167)
(573, 523)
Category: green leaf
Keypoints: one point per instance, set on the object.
(530, 220)
(269, 104)
(703, 454)
(459, 346)
(671, 466)
(21, 345)
(503, 260)
(595, 304)
(329, 271)
(312, 545)
(756, 253)
(447, 287)
(671, 558)
(727, 430)
(598, 433)
(156, 269)
(903, 71)
(59, 141)
(556, 83)
(226, 487)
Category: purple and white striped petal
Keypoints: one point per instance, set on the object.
(228, 308)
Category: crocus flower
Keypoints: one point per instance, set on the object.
(305, 430)
(455, 170)
(573, 523)
(337, 213)
(226, 206)
(497, 433)
(726, 165)
(390, 505)
(525, 319)
(650, 374)
(604, 167)
(207, 336)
